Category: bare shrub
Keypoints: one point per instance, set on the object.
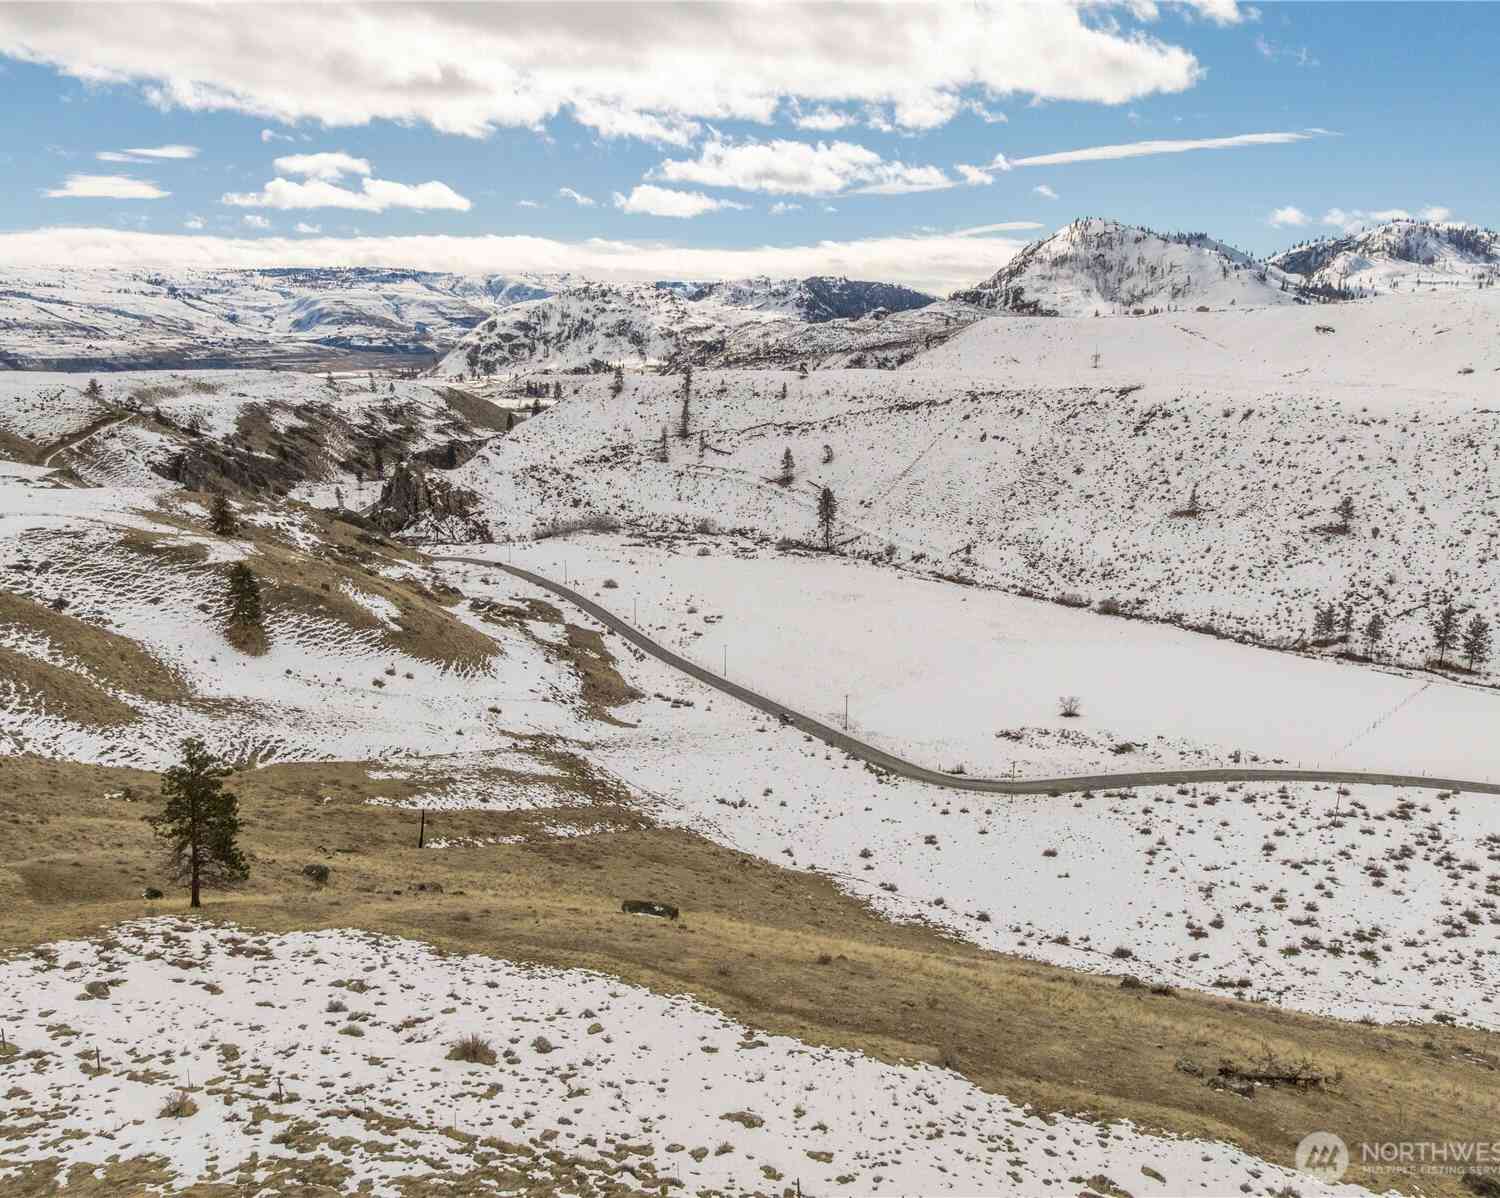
(472, 1049)
(1069, 706)
(179, 1106)
(561, 527)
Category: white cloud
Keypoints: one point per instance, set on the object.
(646, 200)
(255, 222)
(1289, 217)
(782, 207)
(1044, 191)
(375, 195)
(193, 222)
(269, 135)
(106, 187)
(582, 201)
(1141, 149)
(984, 114)
(936, 264)
(783, 167)
(527, 204)
(823, 120)
(330, 165)
(624, 70)
(1355, 219)
(973, 175)
(304, 227)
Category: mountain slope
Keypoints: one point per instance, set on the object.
(1006, 456)
(1399, 255)
(67, 318)
(1096, 267)
(592, 327)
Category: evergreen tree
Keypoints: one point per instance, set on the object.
(199, 821)
(1325, 620)
(536, 406)
(557, 390)
(1374, 630)
(618, 384)
(684, 420)
(1345, 512)
(827, 454)
(788, 467)
(783, 392)
(221, 518)
(828, 510)
(1476, 643)
(94, 390)
(1346, 620)
(661, 449)
(244, 597)
(1442, 619)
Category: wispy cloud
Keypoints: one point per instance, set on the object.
(1044, 191)
(581, 200)
(149, 154)
(106, 187)
(1142, 149)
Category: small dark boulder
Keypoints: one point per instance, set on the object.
(151, 892)
(646, 907)
(318, 873)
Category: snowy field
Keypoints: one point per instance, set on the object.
(1360, 902)
(948, 675)
(261, 1060)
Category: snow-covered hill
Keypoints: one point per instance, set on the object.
(68, 318)
(1401, 255)
(594, 326)
(1005, 455)
(1097, 267)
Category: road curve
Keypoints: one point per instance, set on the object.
(921, 773)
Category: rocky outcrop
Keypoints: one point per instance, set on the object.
(421, 507)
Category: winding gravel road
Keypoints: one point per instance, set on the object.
(921, 773)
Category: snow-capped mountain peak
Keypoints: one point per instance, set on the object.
(1094, 266)
(1399, 255)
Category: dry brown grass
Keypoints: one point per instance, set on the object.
(109, 658)
(63, 693)
(72, 862)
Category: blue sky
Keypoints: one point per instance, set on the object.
(723, 139)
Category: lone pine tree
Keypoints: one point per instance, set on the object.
(244, 597)
(828, 511)
(221, 517)
(788, 468)
(199, 821)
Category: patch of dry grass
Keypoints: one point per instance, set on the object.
(64, 693)
(108, 657)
